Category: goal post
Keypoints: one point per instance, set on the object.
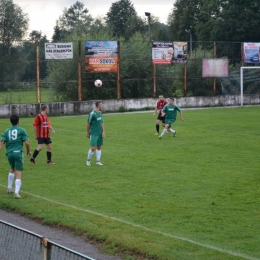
(242, 82)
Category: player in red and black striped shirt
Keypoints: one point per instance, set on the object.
(42, 126)
(159, 107)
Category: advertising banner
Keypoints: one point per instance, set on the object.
(214, 68)
(162, 52)
(251, 52)
(59, 51)
(101, 56)
(180, 52)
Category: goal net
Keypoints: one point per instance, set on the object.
(243, 81)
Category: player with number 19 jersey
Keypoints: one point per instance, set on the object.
(14, 138)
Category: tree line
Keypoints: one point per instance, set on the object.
(207, 21)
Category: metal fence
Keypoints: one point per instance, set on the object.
(20, 244)
(19, 78)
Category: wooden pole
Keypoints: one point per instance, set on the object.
(38, 80)
(185, 80)
(214, 80)
(154, 80)
(118, 73)
(79, 73)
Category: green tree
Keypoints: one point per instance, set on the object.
(122, 19)
(239, 20)
(159, 31)
(28, 56)
(98, 26)
(183, 16)
(13, 24)
(75, 19)
(13, 27)
(136, 67)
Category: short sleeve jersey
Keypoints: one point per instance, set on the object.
(95, 120)
(161, 104)
(171, 112)
(42, 124)
(14, 138)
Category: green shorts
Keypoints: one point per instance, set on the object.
(169, 122)
(16, 160)
(96, 140)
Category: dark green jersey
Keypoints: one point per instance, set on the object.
(95, 120)
(171, 112)
(14, 138)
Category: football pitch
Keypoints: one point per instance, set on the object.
(195, 196)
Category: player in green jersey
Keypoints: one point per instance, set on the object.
(13, 138)
(170, 113)
(96, 132)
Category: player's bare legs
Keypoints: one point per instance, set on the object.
(39, 148)
(157, 125)
(48, 147)
(36, 152)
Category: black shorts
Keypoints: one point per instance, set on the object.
(44, 140)
(161, 118)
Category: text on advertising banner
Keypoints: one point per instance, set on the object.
(101, 56)
(59, 51)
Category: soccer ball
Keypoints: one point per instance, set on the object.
(98, 83)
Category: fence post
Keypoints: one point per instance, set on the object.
(44, 249)
(185, 80)
(118, 73)
(79, 73)
(38, 80)
(154, 80)
(214, 79)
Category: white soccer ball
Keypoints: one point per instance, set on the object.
(98, 83)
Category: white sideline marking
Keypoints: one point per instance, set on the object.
(229, 252)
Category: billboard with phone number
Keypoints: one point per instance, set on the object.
(101, 56)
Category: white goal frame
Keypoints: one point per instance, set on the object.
(242, 82)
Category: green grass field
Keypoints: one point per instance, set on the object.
(25, 96)
(195, 196)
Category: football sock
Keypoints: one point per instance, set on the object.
(18, 184)
(90, 153)
(10, 180)
(48, 156)
(36, 152)
(98, 155)
(172, 131)
(163, 132)
(157, 128)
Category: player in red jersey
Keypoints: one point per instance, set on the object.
(42, 126)
(159, 107)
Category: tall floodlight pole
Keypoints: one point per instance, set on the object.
(189, 32)
(149, 23)
(150, 40)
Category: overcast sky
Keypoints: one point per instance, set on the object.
(44, 13)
